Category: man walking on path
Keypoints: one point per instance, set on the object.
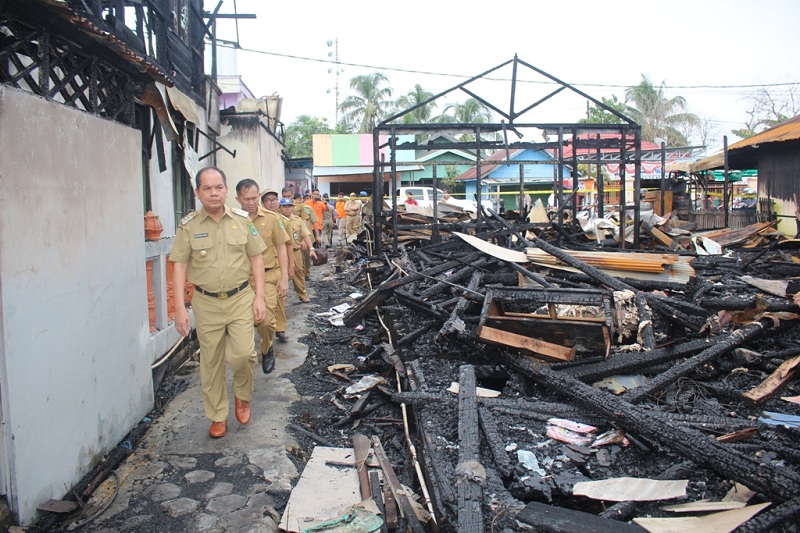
(341, 216)
(216, 249)
(299, 234)
(276, 263)
(353, 209)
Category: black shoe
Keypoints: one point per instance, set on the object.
(268, 361)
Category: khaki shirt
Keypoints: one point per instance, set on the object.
(352, 207)
(271, 228)
(217, 253)
(300, 209)
(299, 231)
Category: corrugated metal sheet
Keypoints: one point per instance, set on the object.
(737, 156)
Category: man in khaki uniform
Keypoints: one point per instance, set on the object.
(300, 236)
(311, 221)
(217, 248)
(353, 209)
(270, 203)
(327, 221)
(276, 264)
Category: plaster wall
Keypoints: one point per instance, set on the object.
(258, 154)
(74, 375)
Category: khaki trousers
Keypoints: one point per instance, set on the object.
(225, 331)
(299, 274)
(266, 330)
(342, 224)
(281, 318)
(327, 232)
(353, 225)
(306, 262)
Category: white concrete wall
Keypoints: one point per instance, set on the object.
(258, 155)
(75, 378)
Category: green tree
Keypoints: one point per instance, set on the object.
(658, 115)
(415, 96)
(470, 111)
(299, 135)
(597, 115)
(370, 104)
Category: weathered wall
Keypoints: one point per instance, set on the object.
(75, 378)
(258, 154)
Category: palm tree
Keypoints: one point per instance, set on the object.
(471, 111)
(415, 96)
(369, 105)
(658, 115)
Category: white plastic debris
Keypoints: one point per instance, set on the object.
(529, 461)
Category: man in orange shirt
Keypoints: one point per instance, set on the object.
(341, 214)
(319, 207)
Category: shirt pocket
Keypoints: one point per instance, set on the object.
(202, 250)
(236, 238)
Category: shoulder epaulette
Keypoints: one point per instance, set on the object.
(188, 217)
(240, 212)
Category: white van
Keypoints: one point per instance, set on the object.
(424, 197)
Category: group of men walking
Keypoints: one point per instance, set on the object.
(240, 262)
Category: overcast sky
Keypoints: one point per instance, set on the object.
(707, 51)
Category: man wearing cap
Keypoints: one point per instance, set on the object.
(217, 248)
(341, 215)
(299, 235)
(270, 203)
(276, 262)
(353, 209)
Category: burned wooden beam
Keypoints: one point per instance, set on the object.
(767, 388)
(770, 520)
(470, 474)
(456, 277)
(645, 323)
(553, 519)
(737, 338)
(398, 492)
(495, 442)
(420, 305)
(455, 324)
(774, 482)
(627, 363)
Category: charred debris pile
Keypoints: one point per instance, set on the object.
(523, 378)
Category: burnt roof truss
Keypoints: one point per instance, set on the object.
(584, 143)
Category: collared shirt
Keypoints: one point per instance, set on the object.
(319, 208)
(352, 207)
(274, 234)
(299, 231)
(217, 253)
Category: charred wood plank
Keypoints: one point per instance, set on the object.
(631, 362)
(455, 324)
(456, 277)
(398, 492)
(495, 442)
(645, 323)
(774, 482)
(672, 375)
(377, 497)
(417, 276)
(741, 303)
(554, 519)
(468, 481)
(420, 305)
(366, 306)
(787, 513)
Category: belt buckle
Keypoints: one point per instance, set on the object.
(223, 296)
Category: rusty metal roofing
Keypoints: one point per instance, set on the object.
(785, 131)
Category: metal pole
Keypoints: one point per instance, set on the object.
(663, 176)
(637, 185)
(726, 182)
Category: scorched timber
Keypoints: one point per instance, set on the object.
(774, 482)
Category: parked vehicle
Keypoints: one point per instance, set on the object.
(424, 197)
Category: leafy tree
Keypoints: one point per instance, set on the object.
(767, 107)
(471, 111)
(597, 115)
(415, 96)
(658, 115)
(370, 104)
(299, 135)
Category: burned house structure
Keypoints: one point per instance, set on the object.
(544, 382)
(106, 114)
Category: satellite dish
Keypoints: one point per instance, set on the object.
(659, 141)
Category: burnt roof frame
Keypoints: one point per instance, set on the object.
(392, 128)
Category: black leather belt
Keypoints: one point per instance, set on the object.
(267, 269)
(222, 295)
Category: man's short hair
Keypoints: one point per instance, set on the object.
(245, 184)
(288, 188)
(297, 196)
(205, 169)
